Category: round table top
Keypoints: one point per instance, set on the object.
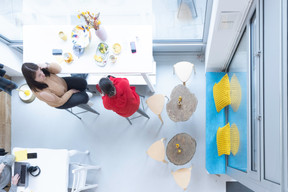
(187, 145)
(187, 107)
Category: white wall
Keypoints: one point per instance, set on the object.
(223, 34)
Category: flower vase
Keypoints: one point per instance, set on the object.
(101, 34)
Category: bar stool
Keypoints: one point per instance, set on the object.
(140, 111)
(86, 108)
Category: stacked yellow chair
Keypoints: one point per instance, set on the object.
(228, 140)
(224, 93)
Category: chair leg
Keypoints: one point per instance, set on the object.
(88, 108)
(160, 118)
(73, 113)
(180, 4)
(143, 113)
(193, 4)
(128, 120)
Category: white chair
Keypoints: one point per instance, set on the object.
(157, 151)
(184, 70)
(192, 7)
(79, 172)
(182, 177)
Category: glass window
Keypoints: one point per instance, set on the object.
(254, 88)
(237, 111)
(11, 19)
(179, 19)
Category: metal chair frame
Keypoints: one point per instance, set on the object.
(139, 111)
(86, 108)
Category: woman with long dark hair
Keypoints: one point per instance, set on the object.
(57, 92)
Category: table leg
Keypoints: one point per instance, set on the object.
(147, 80)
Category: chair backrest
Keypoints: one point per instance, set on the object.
(79, 172)
(182, 177)
(183, 70)
(157, 151)
(156, 104)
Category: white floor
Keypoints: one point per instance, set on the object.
(119, 148)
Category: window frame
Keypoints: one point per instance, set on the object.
(252, 179)
(285, 96)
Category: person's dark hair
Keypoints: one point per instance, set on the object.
(107, 87)
(29, 73)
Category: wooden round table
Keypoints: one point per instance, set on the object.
(184, 110)
(186, 144)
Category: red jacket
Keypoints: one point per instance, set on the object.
(126, 101)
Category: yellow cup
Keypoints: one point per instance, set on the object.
(68, 58)
(62, 35)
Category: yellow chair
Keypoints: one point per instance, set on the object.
(156, 104)
(221, 93)
(184, 70)
(228, 139)
(236, 93)
(182, 177)
(157, 151)
(223, 140)
(235, 139)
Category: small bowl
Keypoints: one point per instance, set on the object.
(103, 48)
(117, 48)
(101, 55)
(112, 58)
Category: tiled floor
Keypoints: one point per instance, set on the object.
(119, 148)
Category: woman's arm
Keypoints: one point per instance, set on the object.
(55, 101)
(51, 67)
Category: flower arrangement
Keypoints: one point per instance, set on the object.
(91, 19)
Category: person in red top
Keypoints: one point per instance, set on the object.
(119, 96)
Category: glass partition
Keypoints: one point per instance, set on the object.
(172, 20)
(238, 110)
(11, 19)
(179, 19)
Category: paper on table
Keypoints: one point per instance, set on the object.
(20, 155)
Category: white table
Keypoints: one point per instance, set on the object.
(54, 165)
(38, 42)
